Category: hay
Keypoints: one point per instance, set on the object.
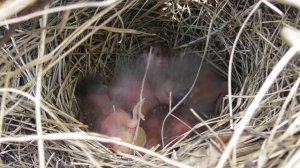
(41, 62)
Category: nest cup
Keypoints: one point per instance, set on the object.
(48, 47)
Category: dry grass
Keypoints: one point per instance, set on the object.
(41, 62)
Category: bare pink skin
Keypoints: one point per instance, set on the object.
(125, 90)
(109, 121)
(158, 70)
(209, 85)
(119, 124)
(98, 113)
(183, 122)
(126, 95)
(161, 55)
(206, 97)
(152, 126)
(172, 128)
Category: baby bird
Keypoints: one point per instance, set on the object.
(133, 82)
(167, 73)
(171, 129)
(205, 97)
(133, 78)
(159, 57)
(127, 88)
(97, 111)
(153, 125)
(209, 89)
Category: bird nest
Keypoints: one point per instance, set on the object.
(45, 48)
